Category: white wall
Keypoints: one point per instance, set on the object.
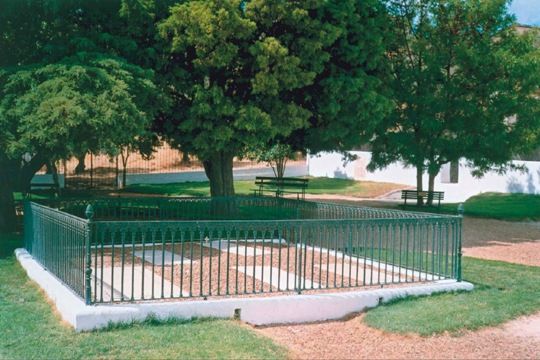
(332, 165)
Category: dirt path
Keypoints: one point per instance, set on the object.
(515, 242)
(352, 339)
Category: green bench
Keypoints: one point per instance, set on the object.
(47, 186)
(414, 195)
(281, 186)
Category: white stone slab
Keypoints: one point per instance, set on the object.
(416, 275)
(281, 279)
(239, 249)
(162, 257)
(372, 275)
(111, 277)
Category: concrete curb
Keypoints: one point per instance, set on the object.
(256, 311)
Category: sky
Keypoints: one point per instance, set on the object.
(526, 11)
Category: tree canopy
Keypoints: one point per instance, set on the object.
(68, 89)
(242, 73)
(464, 85)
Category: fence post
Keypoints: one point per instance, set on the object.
(461, 211)
(28, 230)
(88, 271)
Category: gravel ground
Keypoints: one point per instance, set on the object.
(321, 268)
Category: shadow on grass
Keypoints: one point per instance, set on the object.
(8, 244)
(153, 320)
(187, 189)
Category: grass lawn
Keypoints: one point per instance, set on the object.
(31, 330)
(320, 185)
(494, 205)
(504, 206)
(503, 291)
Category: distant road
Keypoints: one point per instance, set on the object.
(239, 174)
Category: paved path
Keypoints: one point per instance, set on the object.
(199, 175)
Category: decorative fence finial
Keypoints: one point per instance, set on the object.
(461, 209)
(89, 212)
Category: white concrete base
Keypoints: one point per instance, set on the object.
(254, 310)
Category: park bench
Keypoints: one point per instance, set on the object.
(44, 185)
(281, 186)
(414, 195)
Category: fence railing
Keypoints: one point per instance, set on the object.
(240, 246)
(225, 208)
(58, 241)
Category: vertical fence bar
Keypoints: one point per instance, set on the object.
(88, 271)
(459, 252)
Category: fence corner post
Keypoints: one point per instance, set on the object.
(88, 269)
(461, 211)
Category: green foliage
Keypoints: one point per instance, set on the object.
(464, 85)
(86, 102)
(71, 83)
(231, 72)
(348, 99)
(246, 73)
(276, 156)
(502, 292)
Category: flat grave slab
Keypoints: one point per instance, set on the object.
(277, 278)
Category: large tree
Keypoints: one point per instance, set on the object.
(67, 87)
(246, 73)
(464, 85)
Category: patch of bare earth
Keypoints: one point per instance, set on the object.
(352, 339)
(515, 242)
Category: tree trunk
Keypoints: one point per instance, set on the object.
(7, 203)
(13, 178)
(419, 184)
(185, 158)
(431, 186)
(280, 167)
(81, 166)
(219, 170)
(124, 167)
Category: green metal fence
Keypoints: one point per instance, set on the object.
(147, 249)
(58, 241)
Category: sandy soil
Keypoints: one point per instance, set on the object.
(352, 339)
(222, 274)
(515, 242)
